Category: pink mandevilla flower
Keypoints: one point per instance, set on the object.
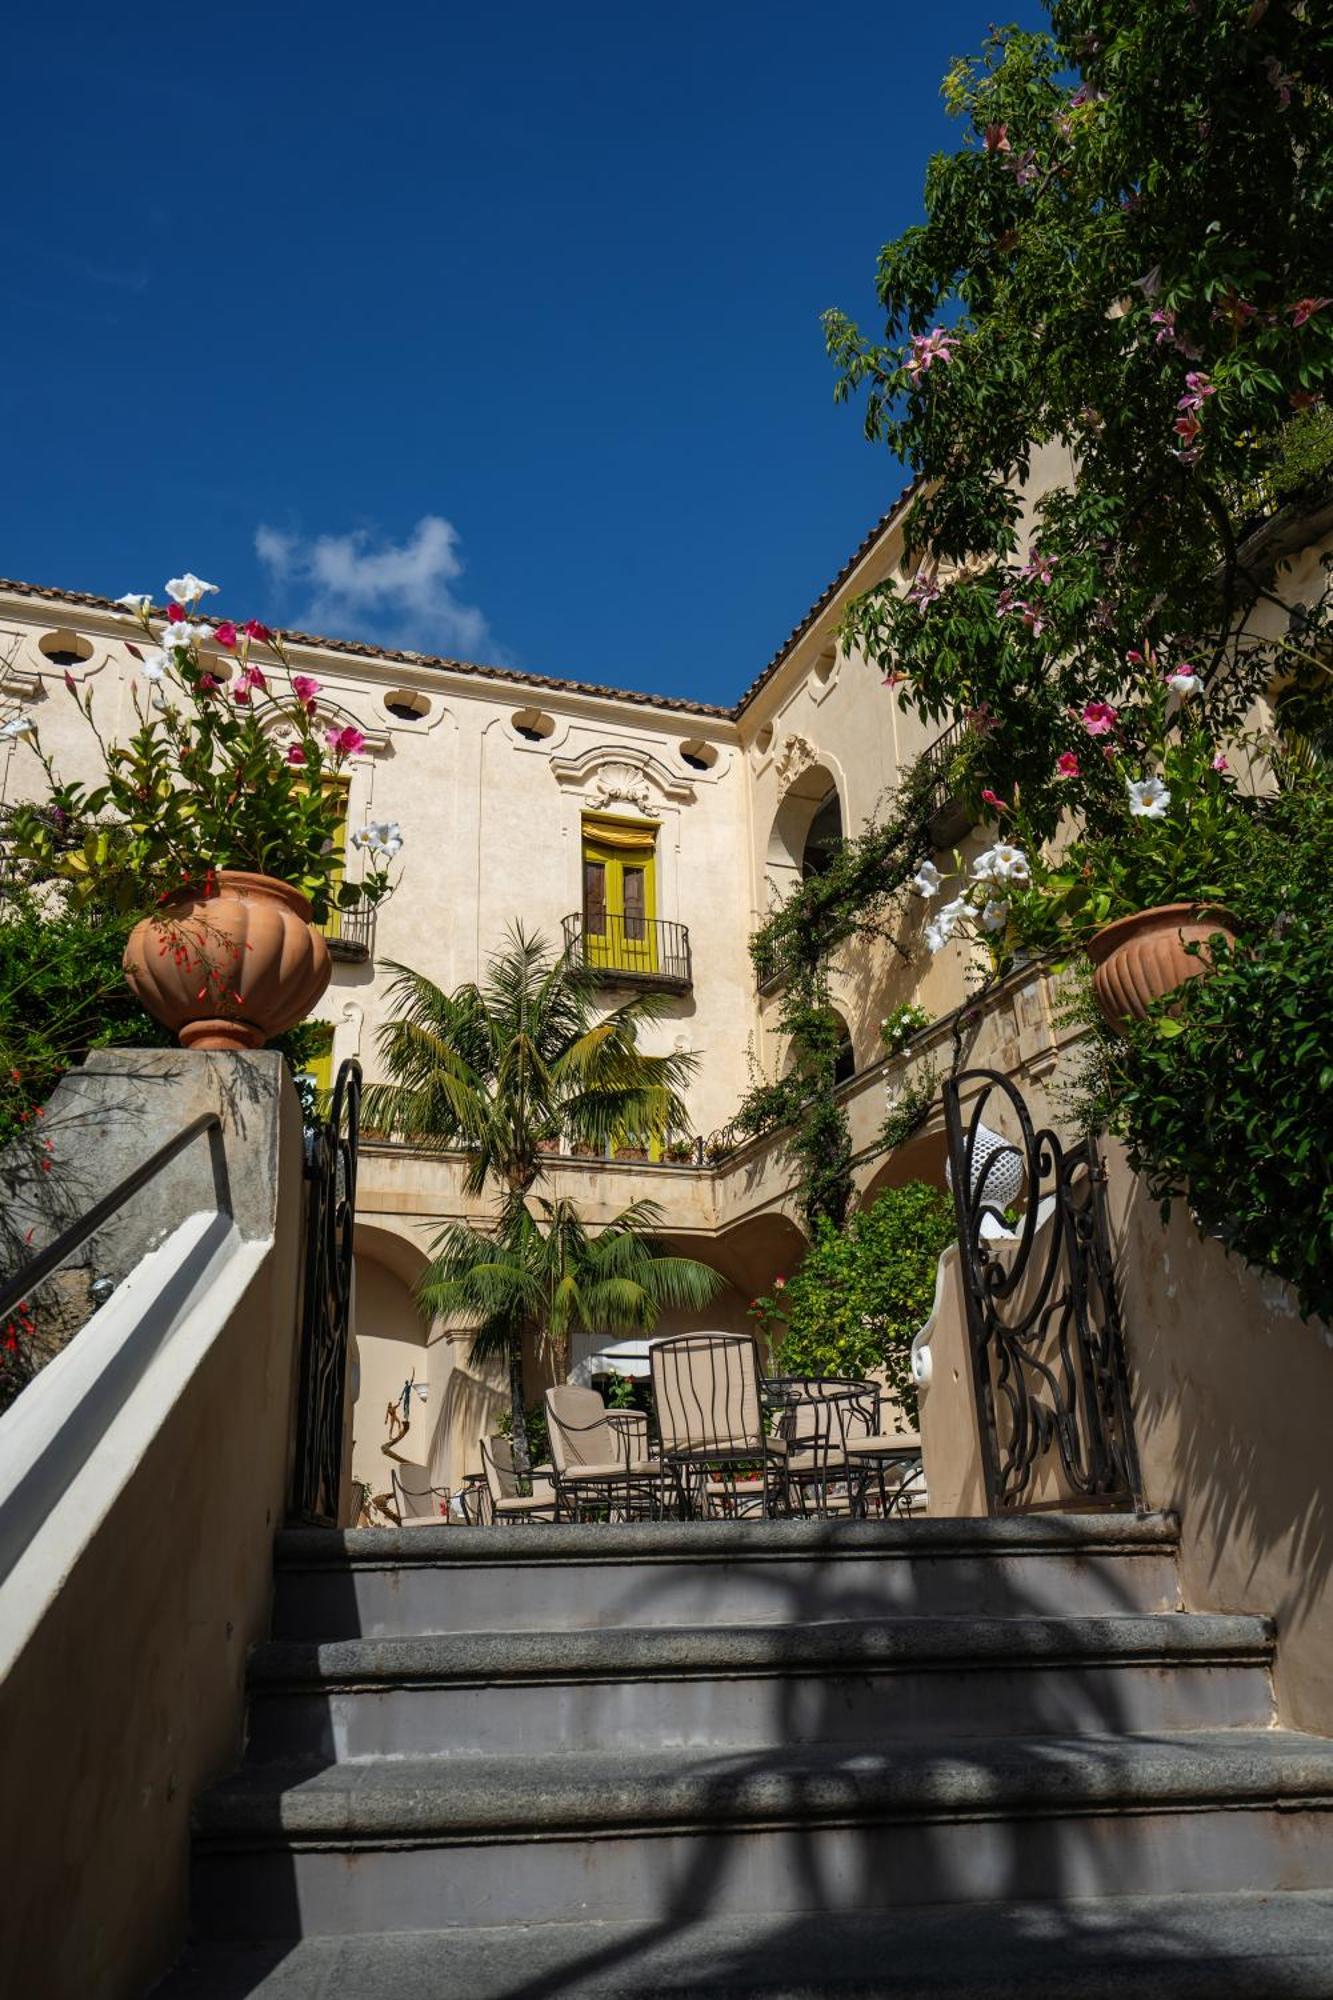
(345, 742)
(1066, 765)
(1220, 762)
(928, 348)
(991, 798)
(253, 629)
(305, 688)
(1099, 718)
(226, 635)
(924, 591)
(1023, 166)
(175, 614)
(295, 754)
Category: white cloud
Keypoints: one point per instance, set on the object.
(358, 586)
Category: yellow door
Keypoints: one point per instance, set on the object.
(336, 789)
(619, 899)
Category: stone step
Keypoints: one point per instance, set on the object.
(401, 1843)
(1246, 1947)
(739, 1687)
(393, 1583)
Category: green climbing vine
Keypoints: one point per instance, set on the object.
(854, 896)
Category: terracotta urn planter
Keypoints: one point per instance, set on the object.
(1142, 958)
(229, 971)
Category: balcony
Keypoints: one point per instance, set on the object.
(949, 819)
(645, 952)
(349, 934)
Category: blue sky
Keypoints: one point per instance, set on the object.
(488, 331)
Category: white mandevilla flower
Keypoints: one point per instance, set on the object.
(1001, 863)
(1148, 798)
(381, 836)
(926, 881)
(136, 601)
(1183, 680)
(994, 917)
(18, 725)
(183, 635)
(188, 589)
(154, 666)
(941, 927)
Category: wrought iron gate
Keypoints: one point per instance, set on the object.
(1048, 1358)
(326, 1302)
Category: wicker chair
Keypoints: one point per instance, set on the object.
(711, 1421)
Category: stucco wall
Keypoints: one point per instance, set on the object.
(141, 1588)
(1232, 1397)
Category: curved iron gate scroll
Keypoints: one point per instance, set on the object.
(1048, 1358)
(326, 1302)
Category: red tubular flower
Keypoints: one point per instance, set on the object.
(226, 635)
(254, 630)
(175, 614)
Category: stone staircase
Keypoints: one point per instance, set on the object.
(787, 1759)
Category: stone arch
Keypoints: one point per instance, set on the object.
(392, 1348)
(809, 821)
(920, 1158)
(749, 1256)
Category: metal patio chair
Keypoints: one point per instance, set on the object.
(417, 1503)
(712, 1423)
(821, 1417)
(600, 1464)
(510, 1502)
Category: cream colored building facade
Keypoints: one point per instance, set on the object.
(500, 782)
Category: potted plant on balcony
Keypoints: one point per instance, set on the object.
(1167, 833)
(221, 818)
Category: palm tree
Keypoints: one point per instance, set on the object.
(508, 1068)
(541, 1278)
(505, 1070)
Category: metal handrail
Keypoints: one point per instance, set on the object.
(40, 1267)
(655, 950)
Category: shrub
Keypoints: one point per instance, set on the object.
(1224, 1099)
(863, 1292)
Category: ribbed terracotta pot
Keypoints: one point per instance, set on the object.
(1142, 958)
(228, 971)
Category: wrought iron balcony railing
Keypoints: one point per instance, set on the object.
(948, 818)
(631, 951)
(350, 934)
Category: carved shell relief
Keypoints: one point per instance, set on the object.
(622, 784)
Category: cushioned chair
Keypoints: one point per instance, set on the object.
(417, 1503)
(511, 1504)
(601, 1459)
(711, 1421)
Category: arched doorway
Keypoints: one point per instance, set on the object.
(807, 829)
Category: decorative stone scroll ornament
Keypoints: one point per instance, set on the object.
(797, 754)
